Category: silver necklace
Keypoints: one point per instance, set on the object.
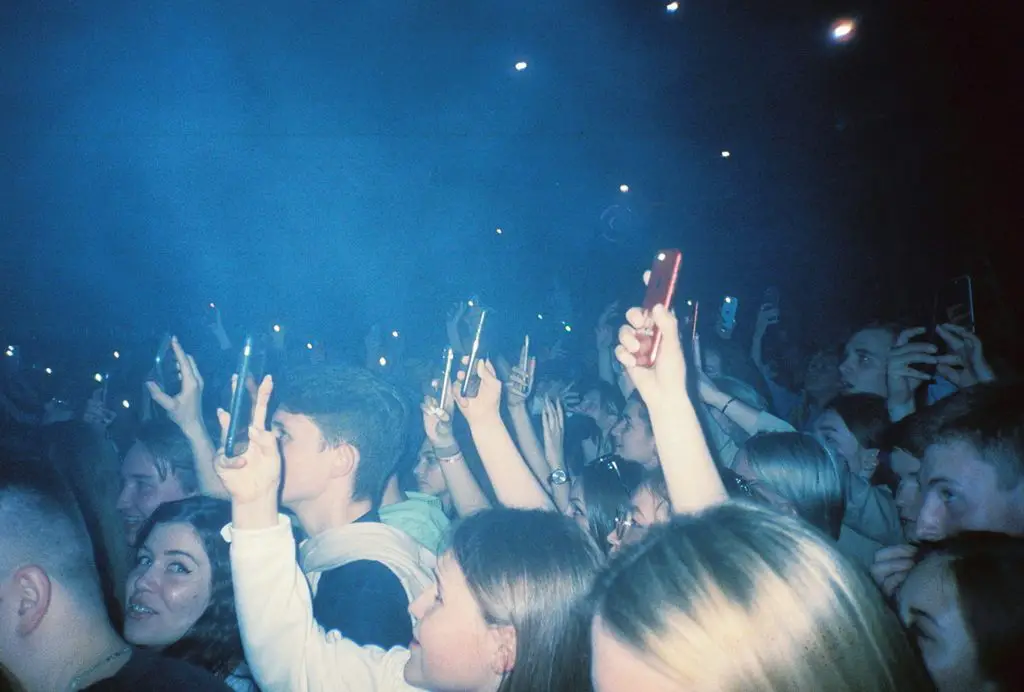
(77, 680)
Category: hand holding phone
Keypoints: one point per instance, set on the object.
(165, 368)
(661, 288)
(446, 380)
(727, 316)
(238, 392)
(471, 385)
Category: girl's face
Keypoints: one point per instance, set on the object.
(577, 509)
(429, 476)
(169, 588)
(831, 431)
(454, 647)
(929, 606)
(649, 509)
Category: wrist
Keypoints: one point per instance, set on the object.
(446, 449)
(715, 398)
(258, 513)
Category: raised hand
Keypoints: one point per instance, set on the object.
(96, 414)
(971, 367)
(902, 377)
(520, 384)
(570, 398)
(488, 399)
(553, 419)
(437, 422)
(185, 409)
(605, 330)
(664, 383)
(255, 474)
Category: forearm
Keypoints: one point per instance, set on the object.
(205, 453)
(529, 444)
(692, 478)
(466, 494)
(750, 419)
(514, 483)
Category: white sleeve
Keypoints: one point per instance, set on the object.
(286, 649)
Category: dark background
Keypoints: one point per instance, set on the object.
(328, 165)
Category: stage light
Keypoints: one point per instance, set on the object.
(623, 188)
(125, 403)
(540, 316)
(672, 7)
(843, 30)
(567, 327)
(309, 345)
(521, 65)
(277, 328)
(498, 231)
(726, 154)
(395, 334)
(48, 371)
(728, 299)
(383, 361)
(98, 377)
(117, 354)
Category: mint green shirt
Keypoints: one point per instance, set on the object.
(422, 518)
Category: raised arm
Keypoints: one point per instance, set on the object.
(516, 392)
(467, 497)
(690, 472)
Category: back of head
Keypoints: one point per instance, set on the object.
(213, 642)
(352, 406)
(42, 526)
(742, 598)
(988, 569)
(171, 451)
(914, 433)
(866, 416)
(608, 484)
(533, 570)
(799, 469)
(994, 425)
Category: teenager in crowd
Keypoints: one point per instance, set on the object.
(962, 606)
(54, 629)
(507, 613)
(744, 598)
(180, 599)
(160, 467)
(600, 498)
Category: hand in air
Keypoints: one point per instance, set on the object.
(553, 418)
(255, 474)
(902, 377)
(706, 387)
(971, 367)
(437, 422)
(484, 406)
(520, 384)
(96, 415)
(664, 384)
(766, 317)
(605, 330)
(186, 408)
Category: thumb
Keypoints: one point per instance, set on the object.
(159, 396)
(224, 419)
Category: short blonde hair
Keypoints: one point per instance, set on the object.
(744, 598)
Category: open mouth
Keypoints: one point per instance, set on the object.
(137, 611)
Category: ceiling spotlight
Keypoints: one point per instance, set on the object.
(623, 188)
(383, 361)
(48, 371)
(521, 65)
(672, 7)
(395, 334)
(277, 328)
(309, 345)
(125, 403)
(726, 154)
(843, 30)
(117, 354)
(98, 377)
(498, 231)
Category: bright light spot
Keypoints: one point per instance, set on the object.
(728, 299)
(672, 6)
(383, 361)
(661, 256)
(277, 328)
(48, 371)
(395, 334)
(623, 188)
(498, 231)
(540, 316)
(726, 154)
(117, 354)
(470, 303)
(690, 303)
(842, 30)
(125, 403)
(98, 377)
(520, 66)
(568, 328)
(9, 351)
(213, 305)
(309, 345)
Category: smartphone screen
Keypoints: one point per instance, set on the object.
(239, 398)
(165, 368)
(727, 315)
(954, 303)
(661, 288)
(446, 377)
(471, 384)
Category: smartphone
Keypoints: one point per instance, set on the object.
(771, 298)
(210, 313)
(954, 303)
(238, 399)
(446, 378)
(727, 315)
(661, 288)
(471, 385)
(696, 314)
(165, 368)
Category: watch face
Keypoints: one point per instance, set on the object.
(558, 477)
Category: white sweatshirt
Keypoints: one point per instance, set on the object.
(287, 650)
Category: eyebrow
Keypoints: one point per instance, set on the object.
(181, 553)
(941, 479)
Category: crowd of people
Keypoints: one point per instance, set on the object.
(705, 523)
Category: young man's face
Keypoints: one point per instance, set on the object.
(908, 494)
(143, 490)
(633, 438)
(308, 461)
(961, 492)
(864, 362)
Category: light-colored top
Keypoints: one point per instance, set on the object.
(422, 517)
(285, 647)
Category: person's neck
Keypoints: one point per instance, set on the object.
(392, 493)
(327, 512)
(75, 649)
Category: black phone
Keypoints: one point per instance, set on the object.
(771, 298)
(165, 368)
(471, 385)
(446, 378)
(239, 398)
(954, 303)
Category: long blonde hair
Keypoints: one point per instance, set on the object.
(743, 598)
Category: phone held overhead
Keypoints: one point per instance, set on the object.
(661, 289)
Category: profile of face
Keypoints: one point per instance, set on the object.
(577, 508)
(633, 438)
(454, 647)
(649, 509)
(760, 490)
(831, 431)
(930, 609)
(169, 588)
(429, 477)
(908, 494)
(961, 492)
(308, 460)
(822, 377)
(864, 362)
(142, 489)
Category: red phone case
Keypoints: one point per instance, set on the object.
(661, 288)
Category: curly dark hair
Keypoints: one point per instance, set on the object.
(213, 642)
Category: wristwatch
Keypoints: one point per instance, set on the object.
(558, 477)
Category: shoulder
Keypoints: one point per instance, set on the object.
(149, 671)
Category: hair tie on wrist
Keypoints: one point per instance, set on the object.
(729, 403)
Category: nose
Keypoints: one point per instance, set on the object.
(613, 541)
(147, 580)
(846, 367)
(931, 520)
(124, 500)
(418, 607)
